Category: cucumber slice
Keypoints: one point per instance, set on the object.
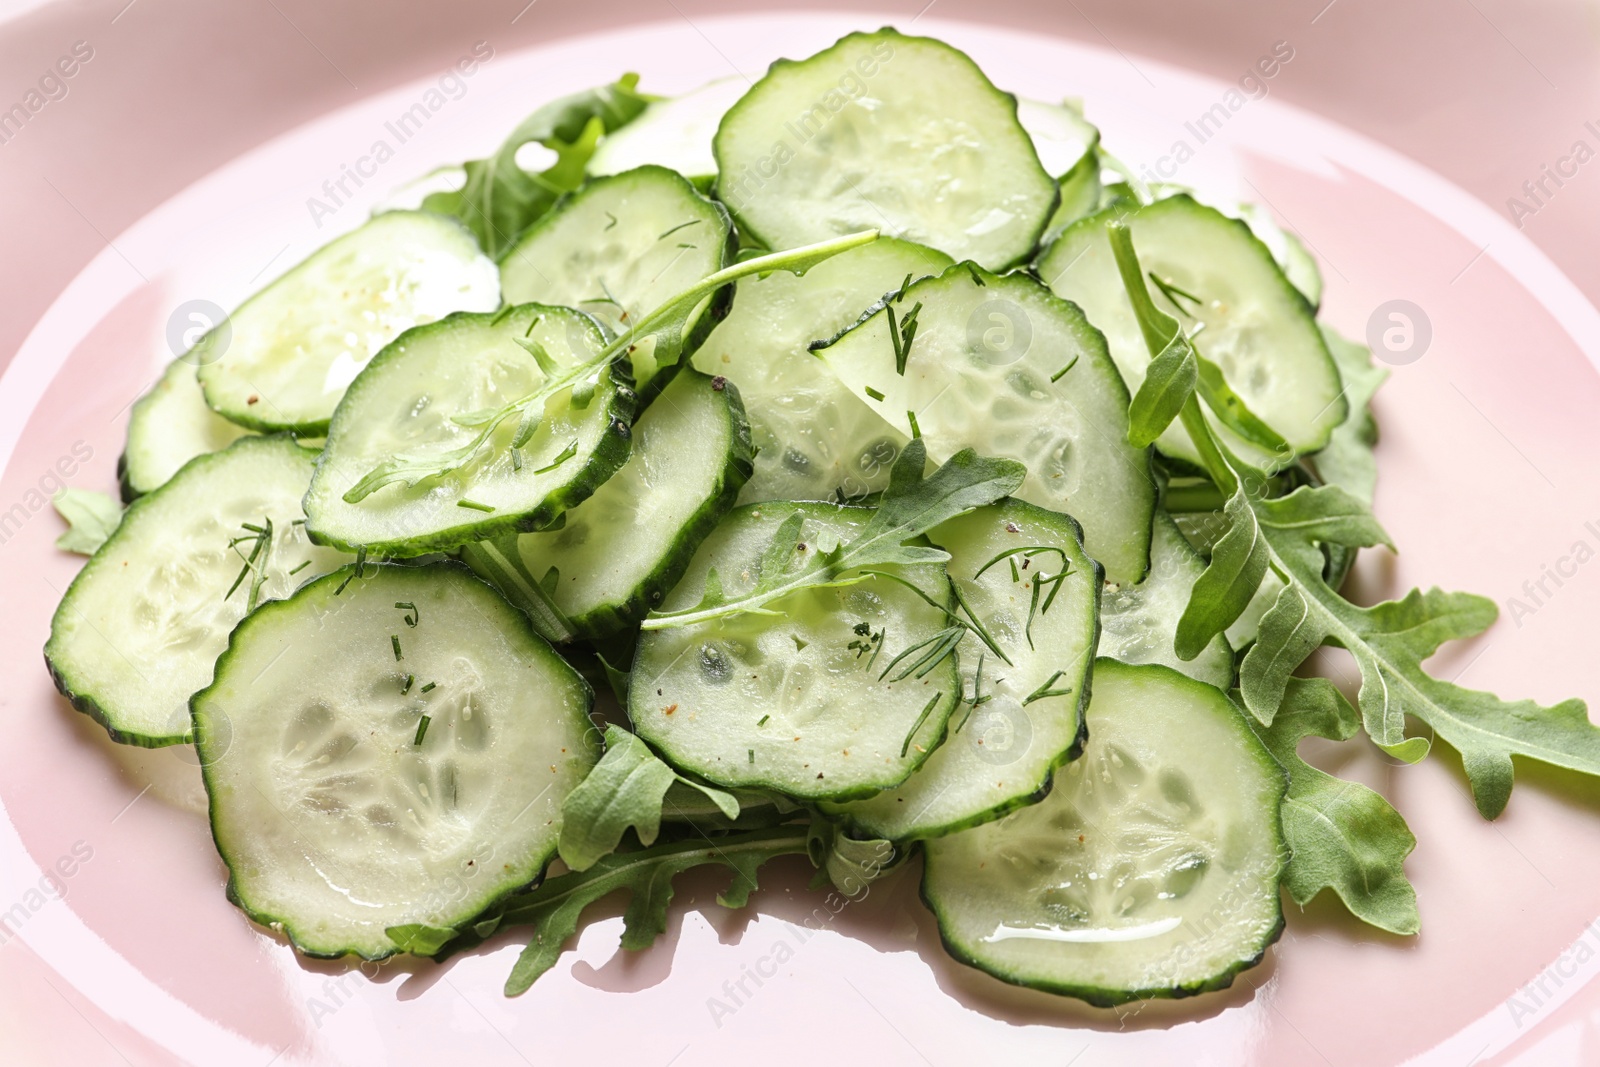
(1256, 325)
(1028, 715)
(619, 248)
(884, 131)
(1138, 622)
(402, 774)
(143, 622)
(169, 426)
(782, 701)
(674, 133)
(1151, 869)
(619, 552)
(1004, 366)
(423, 397)
(814, 437)
(1061, 136)
(287, 354)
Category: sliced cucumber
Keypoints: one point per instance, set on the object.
(1004, 366)
(283, 360)
(424, 398)
(410, 772)
(1138, 622)
(169, 426)
(143, 622)
(795, 700)
(1061, 136)
(1253, 323)
(1151, 869)
(814, 437)
(622, 550)
(1021, 719)
(674, 133)
(618, 249)
(884, 131)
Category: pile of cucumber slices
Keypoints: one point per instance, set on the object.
(917, 480)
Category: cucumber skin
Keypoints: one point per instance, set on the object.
(1072, 751)
(608, 457)
(612, 619)
(87, 704)
(1110, 998)
(277, 923)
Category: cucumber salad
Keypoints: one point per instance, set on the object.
(859, 466)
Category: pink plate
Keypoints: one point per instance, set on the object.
(110, 889)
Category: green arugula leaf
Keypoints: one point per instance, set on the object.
(555, 907)
(90, 516)
(1347, 459)
(1388, 641)
(1343, 836)
(1231, 410)
(625, 789)
(500, 199)
(850, 864)
(1168, 384)
(910, 506)
(420, 939)
(1226, 587)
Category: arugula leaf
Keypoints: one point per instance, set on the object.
(849, 863)
(1347, 459)
(1168, 384)
(1388, 641)
(420, 939)
(555, 908)
(1343, 836)
(90, 516)
(661, 328)
(1231, 410)
(1225, 588)
(500, 199)
(625, 789)
(910, 506)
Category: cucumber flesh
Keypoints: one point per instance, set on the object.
(1061, 136)
(288, 352)
(979, 374)
(1004, 744)
(675, 133)
(339, 809)
(1151, 869)
(411, 402)
(883, 131)
(1253, 323)
(618, 553)
(814, 437)
(169, 426)
(619, 248)
(783, 701)
(1138, 622)
(142, 624)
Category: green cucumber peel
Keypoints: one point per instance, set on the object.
(911, 506)
(1389, 641)
(627, 788)
(667, 321)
